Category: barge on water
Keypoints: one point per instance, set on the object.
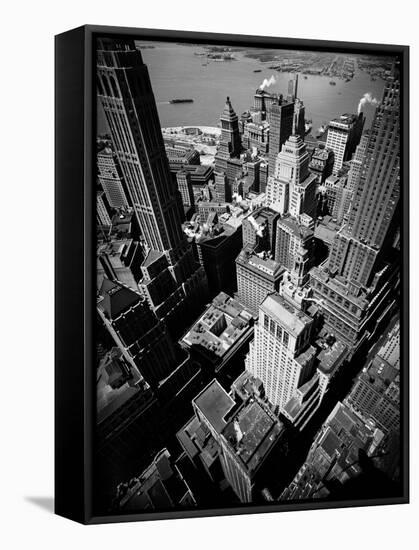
(181, 101)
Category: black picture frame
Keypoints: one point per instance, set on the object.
(75, 265)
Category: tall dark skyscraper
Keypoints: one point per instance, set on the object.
(375, 196)
(110, 178)
(230, 143)
(128, 102)
(125, 93)
(281, 116)
(143, 340)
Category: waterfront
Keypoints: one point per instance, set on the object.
(176, 72)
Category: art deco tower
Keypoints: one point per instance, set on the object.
(125, 93)
(229, 146)
(280, 354)
(375, 195)
(124, 90)
(291, 188)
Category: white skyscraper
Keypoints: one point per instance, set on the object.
(343, 136)
(280, 354)
(292, 188)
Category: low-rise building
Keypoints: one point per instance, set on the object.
(220, 335)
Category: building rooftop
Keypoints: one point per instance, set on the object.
(196, 440)
(345, 120)
(325, 234)
(332, 357)
(152, 256)
(334, 454)
(335, 284)
(290, 318)
(115, 298)
(260, 263)
(380, 374)
(158, 487)
(248, 427)
(220, 327)
(116, 384)
(214, 403)
(292, 224)
(321, 153)
(252, 433)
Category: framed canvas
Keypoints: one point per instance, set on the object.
(231, 274)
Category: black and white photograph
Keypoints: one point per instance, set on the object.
(209, 314)
(248, 276)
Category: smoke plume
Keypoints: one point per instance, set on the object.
(268, 82)
(366, 98)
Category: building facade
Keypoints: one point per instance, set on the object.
(257, 276)
(343, 136)
(124, 90)
(281, 355)
(111, 179)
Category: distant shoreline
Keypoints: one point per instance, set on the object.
(204, 129)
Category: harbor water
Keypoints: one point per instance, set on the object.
(176, 72)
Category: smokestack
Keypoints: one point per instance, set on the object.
(267, 82)
(366, 98)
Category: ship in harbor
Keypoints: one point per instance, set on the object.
(181, 101)
(257, 71)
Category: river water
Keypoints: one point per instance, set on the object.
(176, 72)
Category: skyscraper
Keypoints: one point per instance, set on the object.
(124, 90)
(281, 355)
(321, 163)
(103, 214)
(291, 188)
(375, 196)
(343, 136)
(281, 115)
(259, 229)
(246, 434)
(125, 93)
(258, 274)
(143, 339)
(230, 143)
(184, 184)
(222, 187)
(110, 178)
(294, 248)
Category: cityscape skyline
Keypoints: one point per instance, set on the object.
(248, 278)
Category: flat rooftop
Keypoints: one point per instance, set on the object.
(295, 227)
(287, 316)
(214, 403)
(335, 284)
(252, 433)
(332, 357)
(220, 327)
(256, 263)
